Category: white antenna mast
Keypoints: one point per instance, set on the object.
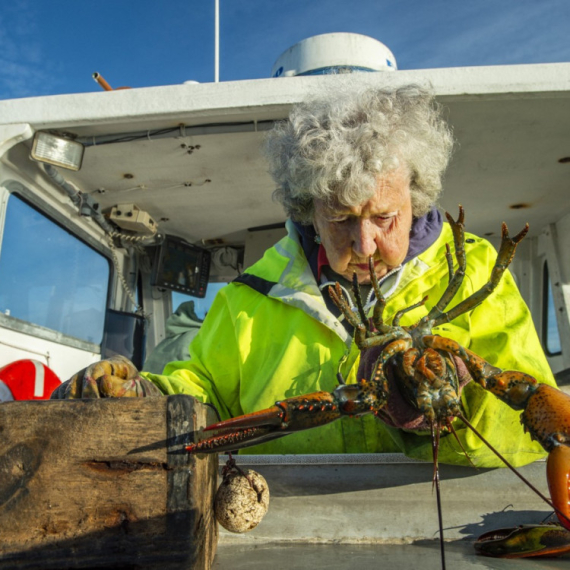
(217, 42)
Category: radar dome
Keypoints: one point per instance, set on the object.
(334, 53)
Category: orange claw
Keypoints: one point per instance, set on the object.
(558, 475)
(286, 416)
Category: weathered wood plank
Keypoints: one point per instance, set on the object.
(105, 483)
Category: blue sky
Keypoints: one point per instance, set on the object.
(53, 46)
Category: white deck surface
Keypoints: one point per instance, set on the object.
(422, 555)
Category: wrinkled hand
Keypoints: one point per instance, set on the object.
(116, 377)
(398, 412)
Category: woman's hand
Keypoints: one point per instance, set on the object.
(116, 377)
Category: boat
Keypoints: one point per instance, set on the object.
(177, 172)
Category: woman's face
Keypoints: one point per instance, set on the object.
(379, 228)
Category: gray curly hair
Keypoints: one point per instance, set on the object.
(333, 148)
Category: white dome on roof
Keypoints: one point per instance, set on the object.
(334, 53)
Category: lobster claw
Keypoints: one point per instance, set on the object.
(558, 476)
(524, 541)
(286, 416)
(546, 416)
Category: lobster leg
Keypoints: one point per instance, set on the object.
(455, 278)
(437, 314)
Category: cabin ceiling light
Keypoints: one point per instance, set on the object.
(57, 150)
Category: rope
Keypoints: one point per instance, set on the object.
(132, 238)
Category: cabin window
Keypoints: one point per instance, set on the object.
(550, 334)
(201, 306)
(49, 277)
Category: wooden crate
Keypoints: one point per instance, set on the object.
(105, 483)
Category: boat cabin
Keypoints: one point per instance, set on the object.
(181, 168)
(172, 200)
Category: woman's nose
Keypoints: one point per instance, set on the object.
(364, 239)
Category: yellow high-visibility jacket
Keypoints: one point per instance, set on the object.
(274, 338)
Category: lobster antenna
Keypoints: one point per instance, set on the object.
(521, 477)
(435, 449)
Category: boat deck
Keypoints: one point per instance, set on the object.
(360, 511)
(459, 555)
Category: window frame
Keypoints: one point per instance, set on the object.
(13, 187)
(546, 289)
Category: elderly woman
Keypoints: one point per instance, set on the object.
(358, 174)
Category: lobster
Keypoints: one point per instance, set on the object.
(426, 368)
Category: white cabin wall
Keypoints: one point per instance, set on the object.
(258, 241)
(64, 360)
(554, 247)
(563, 233)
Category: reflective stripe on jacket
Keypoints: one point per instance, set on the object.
(270, 337)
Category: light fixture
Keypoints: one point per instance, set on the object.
(57, 150)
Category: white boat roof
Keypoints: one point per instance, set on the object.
(511, 124)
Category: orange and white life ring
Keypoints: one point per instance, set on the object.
(27, 380)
